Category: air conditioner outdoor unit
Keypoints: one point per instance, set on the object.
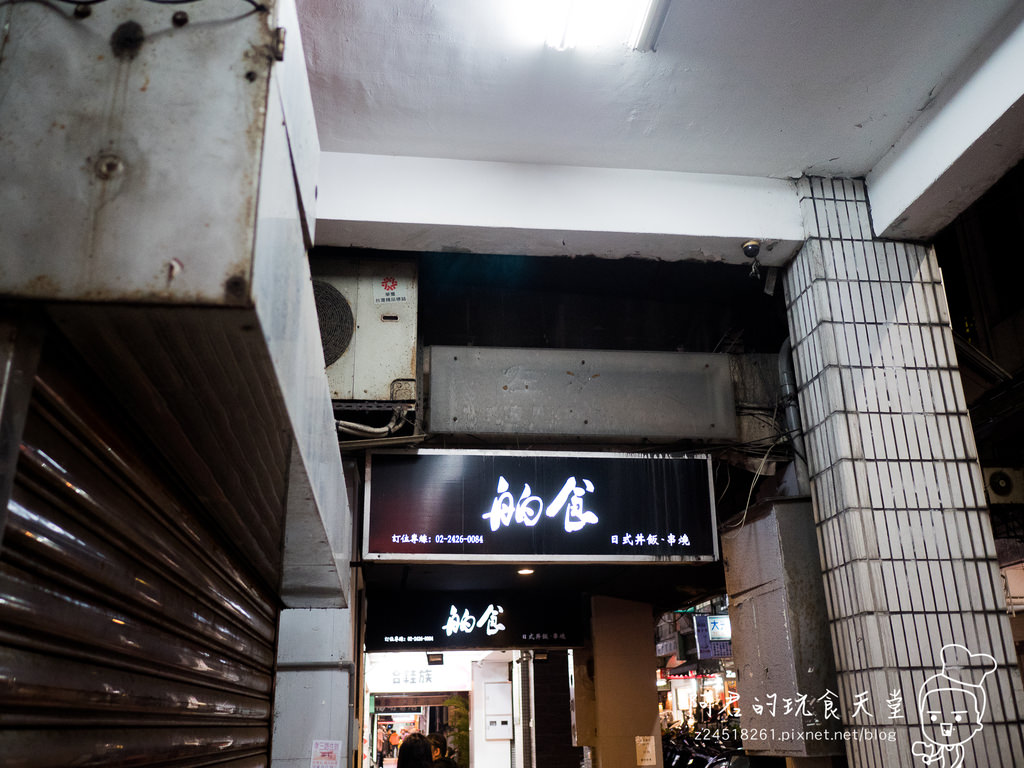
(367, 312)
(1004, 485)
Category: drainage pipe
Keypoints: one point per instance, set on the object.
(791, 417)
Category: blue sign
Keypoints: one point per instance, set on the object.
(708, 646)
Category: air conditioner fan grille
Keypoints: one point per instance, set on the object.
(337, 323)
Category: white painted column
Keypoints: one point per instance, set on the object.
(312, 696)
(903, 530)
(485, 752)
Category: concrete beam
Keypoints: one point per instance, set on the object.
(430, 204)
(962, 143)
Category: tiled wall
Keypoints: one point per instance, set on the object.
(906, 545)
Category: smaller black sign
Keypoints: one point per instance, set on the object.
(433, 621)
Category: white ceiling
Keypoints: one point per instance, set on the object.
(775, 88)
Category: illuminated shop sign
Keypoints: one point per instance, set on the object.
(719, 627)
(410, 673)
(487, 505)
(438, 621)
(713, 635)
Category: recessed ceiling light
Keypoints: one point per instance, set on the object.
(525, 571)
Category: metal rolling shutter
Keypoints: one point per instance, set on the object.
(131, 632)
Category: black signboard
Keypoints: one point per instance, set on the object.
(504, 505)
(445, 621)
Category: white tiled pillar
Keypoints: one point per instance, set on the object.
(904, 535)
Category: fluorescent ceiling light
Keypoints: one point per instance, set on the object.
(645, 33)
(567, 24)
(589, 23)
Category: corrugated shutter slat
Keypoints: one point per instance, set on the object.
(131, 630)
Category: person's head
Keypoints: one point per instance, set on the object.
(445, 762)
(438, 745)
(415, 752)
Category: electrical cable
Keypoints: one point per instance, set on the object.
(258, 6)
(728, 482)
(354, 428)
(753, 482)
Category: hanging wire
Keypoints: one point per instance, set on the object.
(753, 483)
(781, 435)
(728, 482)
(258, 6)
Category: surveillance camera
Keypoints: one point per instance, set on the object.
(751, 248)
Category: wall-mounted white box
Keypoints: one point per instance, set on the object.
(498, 711)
